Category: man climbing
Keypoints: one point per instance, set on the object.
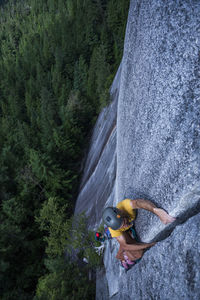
(120, 220)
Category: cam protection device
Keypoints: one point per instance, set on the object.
(112, 217)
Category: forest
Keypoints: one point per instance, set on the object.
(57, 62)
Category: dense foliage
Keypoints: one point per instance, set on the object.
(57, 61)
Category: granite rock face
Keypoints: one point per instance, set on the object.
(169, 270)
(99, 176)
(153, 151)
(159, 108)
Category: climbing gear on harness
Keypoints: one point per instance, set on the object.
(107, 233)
(101, 237)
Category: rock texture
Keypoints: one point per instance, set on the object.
(98, 182)
(153, 151)
(159, 107)
(169, 270)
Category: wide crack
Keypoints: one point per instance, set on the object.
(180, 219)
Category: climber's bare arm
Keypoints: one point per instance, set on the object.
(135, 246)
(148, 205)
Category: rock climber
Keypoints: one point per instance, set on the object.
(120, 219)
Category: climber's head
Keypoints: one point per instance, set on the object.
(113, 217)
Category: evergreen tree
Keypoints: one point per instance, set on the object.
(57, 61)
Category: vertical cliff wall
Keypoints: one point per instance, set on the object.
(153, 151)
(98, 182)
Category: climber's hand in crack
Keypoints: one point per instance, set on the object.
(148, 205)
(163, 215)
